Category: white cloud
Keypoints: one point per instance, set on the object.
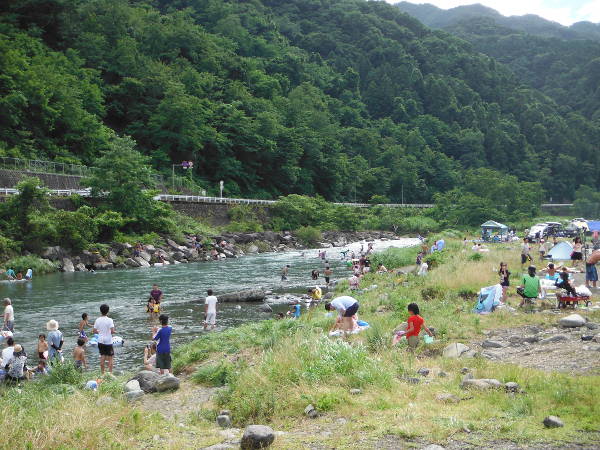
(563, 11)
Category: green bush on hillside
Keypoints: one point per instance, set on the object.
(396, 257)
(38, 265)
(309, 236)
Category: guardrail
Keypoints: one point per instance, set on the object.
(55, 192)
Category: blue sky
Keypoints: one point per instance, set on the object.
(562, 11)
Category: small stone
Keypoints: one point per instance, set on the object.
(132, 396)
(491, 344)
(224, 421)
(257, 436)
(355, 391)
(555, 338)
(592, 325)
(572, 321)
(469, 354)
(311, 412)
(423, 371)
(480, 383)
(166, 383)
(225, 412)
(468, 376)
(447, 398)
(442, 374)
(412, 380)
(454, 350)
(465, 370)
(587, 337)
(511, 386)
(553, 422)
(341, 421)
(132, 386)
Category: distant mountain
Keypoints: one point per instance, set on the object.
(435, 17)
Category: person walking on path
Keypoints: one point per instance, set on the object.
(525, 249)
(105, 327)
(9, 316)
(210, 310)
(163, 348)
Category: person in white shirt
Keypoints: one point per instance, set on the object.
(210, 310)
(9, 315)
(105, 328)
(346, 307)
(7, 353)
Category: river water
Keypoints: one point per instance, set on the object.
(65, 296)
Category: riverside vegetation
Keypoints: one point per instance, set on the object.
(268, 372)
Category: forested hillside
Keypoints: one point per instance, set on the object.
(343, 98)
(435, 17)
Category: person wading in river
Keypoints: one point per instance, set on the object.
(105, 328)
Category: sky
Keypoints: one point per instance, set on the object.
(565, 12)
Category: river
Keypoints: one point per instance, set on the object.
(65, 296)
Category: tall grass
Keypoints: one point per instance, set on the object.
(38, 265)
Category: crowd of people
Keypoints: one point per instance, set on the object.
(10, 274)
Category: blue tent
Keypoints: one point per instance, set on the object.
(489, 298)
(561, 251)
(594, 225)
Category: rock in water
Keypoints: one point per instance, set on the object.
(67, 265)
(257, 436)
(147, 380)
(553, 422)
(250, 295)
(572, 321)
(166, 383)
(224, 421)
(455, 350)
(132, 385)
(265, 308)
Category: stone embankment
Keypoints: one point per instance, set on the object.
(195, 249)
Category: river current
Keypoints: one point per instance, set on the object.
(65, 296)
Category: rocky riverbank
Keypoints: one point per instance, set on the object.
(195, 248)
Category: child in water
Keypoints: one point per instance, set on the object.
(152, 307)
(82, 324)
(79, 355)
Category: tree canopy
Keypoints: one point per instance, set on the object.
(346, 99)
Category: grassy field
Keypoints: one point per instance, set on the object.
(269, 371)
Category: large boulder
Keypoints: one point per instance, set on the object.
(147, 380)
(150, 249)
(167, 382)
(249, 295)
(54, 253)
(173, 245)
(132, 262)
(572, 321)
(455, 350)
(89, 259)
(141, 261)
(145, 256)
(80, 267)
(103, 265)
(257, 436)
(112, 257)
(67, 265)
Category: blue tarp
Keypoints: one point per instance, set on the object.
(489, 298)
(594, 225)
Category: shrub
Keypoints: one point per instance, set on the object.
(65, 373)
(214, 375)
(476, 257)
(396, 257)
(108, 223)
(309, 236)
(38, 265)
(418, 224)
(8, 247)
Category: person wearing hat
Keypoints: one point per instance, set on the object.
(55, 340)
(15, 366)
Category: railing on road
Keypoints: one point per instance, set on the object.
(54, 192)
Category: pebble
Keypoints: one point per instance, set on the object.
(224, 421)
(555, 338)
(447, 398)
(311, 412)
(257, 436)
(423, 371)
(553, 422)
(511, 386)
(412, 380)
(491, 344)
(465, 370)
(355, 391)
(442, 374)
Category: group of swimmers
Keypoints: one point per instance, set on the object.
(12, 276)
